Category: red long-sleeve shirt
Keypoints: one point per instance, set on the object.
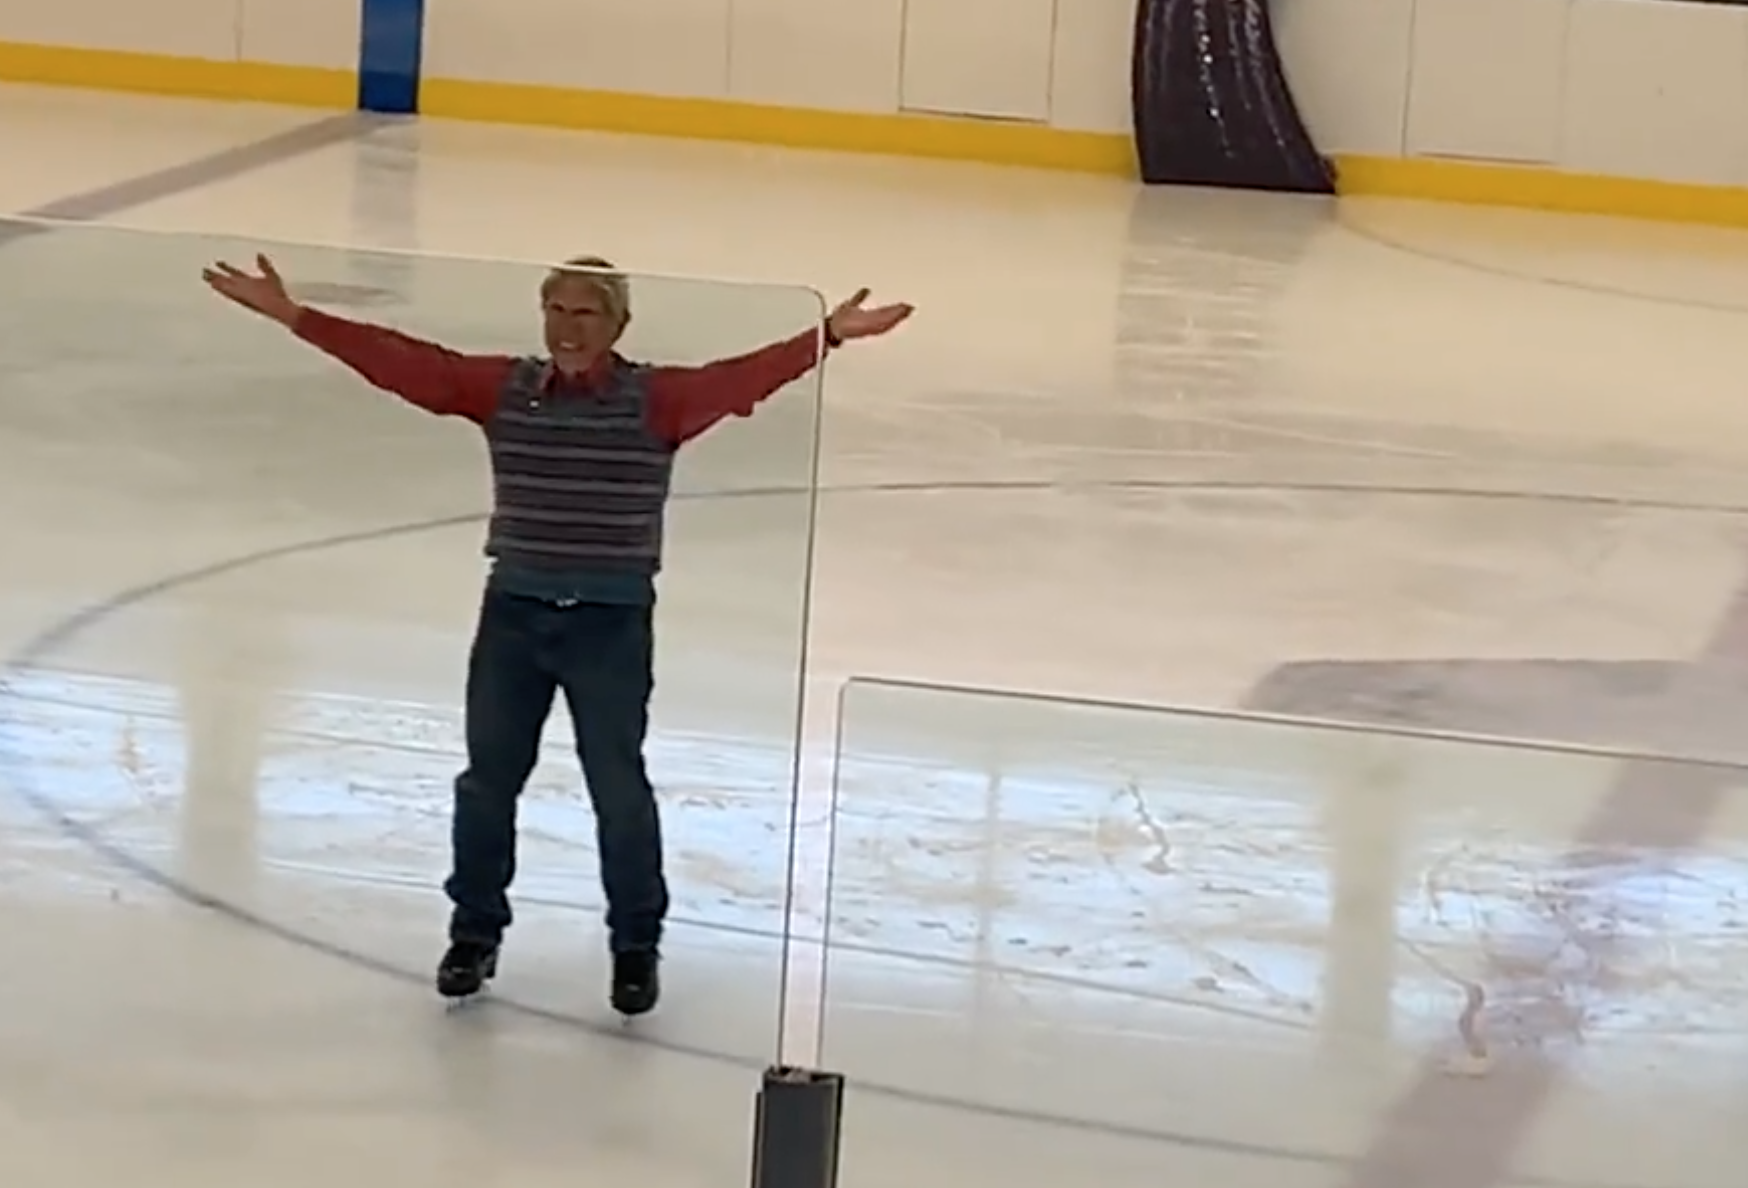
(683, 401)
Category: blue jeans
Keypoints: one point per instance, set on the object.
(525, 651)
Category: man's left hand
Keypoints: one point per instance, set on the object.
(856, 319)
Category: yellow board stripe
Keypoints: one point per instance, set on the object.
(162, 74)
(999, 142)
(1542, 189)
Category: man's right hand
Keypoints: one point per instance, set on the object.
(264, 293)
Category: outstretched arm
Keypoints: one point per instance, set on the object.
(425, 374)
(422, 373)
(685, 401)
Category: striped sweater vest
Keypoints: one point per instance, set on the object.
(580, 483)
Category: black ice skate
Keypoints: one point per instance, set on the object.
(637, 982)
(466, 969)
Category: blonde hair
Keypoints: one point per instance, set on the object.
(600, 275)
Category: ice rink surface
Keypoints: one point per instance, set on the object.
(1466, 471)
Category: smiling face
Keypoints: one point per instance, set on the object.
(580, 320)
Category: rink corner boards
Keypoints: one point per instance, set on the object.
(1007, 142)
(1000, 142)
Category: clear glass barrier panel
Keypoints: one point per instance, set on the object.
(1074, 942)
(225, 791)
